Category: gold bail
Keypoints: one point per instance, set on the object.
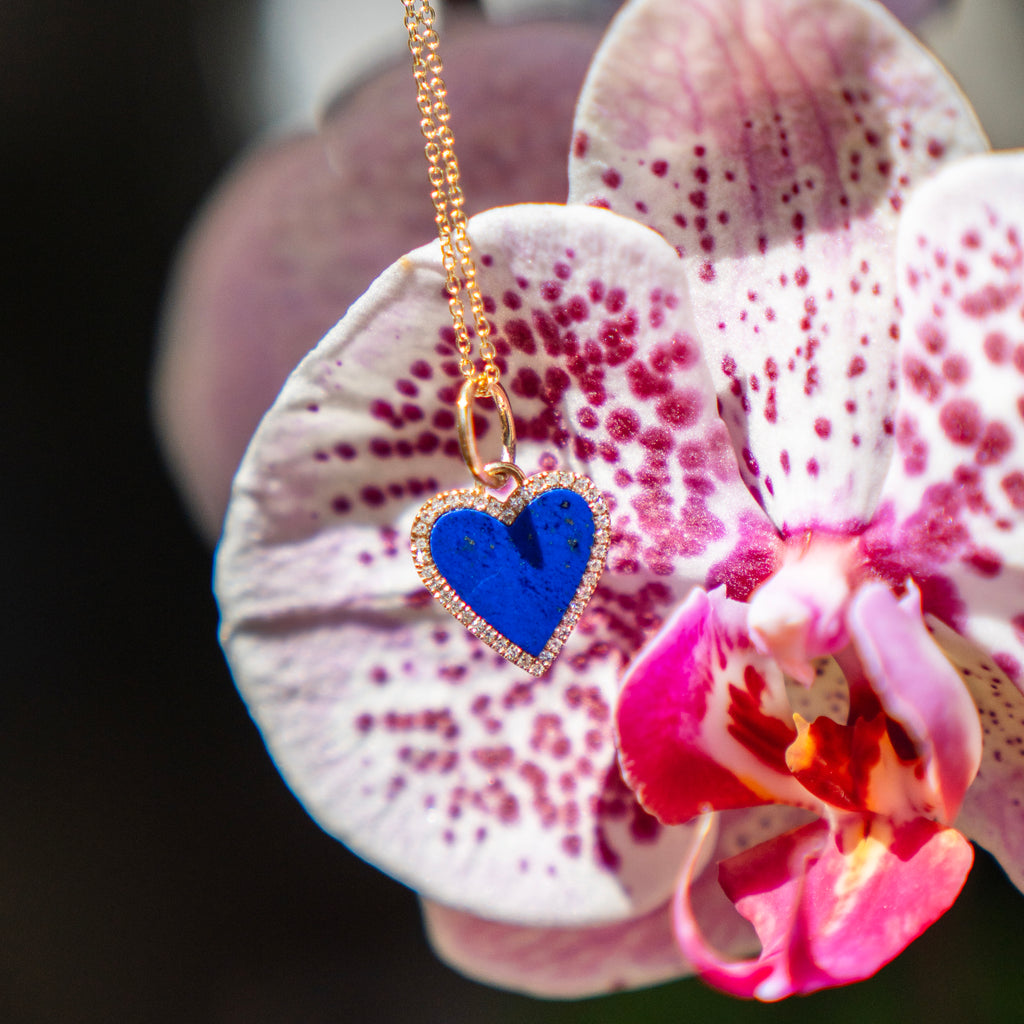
(492, 474)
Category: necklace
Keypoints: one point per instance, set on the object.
(516, 571)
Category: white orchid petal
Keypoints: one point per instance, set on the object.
(483, 788)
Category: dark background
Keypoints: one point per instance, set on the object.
(153, 867)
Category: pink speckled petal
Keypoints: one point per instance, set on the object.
(483, 788)
(774, 145)
(955, 494)
(919, 688)
(703, 719)
(993, 810)
(814, 894)
(573, 962)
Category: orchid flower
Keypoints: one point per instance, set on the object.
(790, 459)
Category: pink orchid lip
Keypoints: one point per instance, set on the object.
(814, 893)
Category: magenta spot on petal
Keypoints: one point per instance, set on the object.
(680, 409)
(822, 427)
(989, 299)
(921, 378)
(995, 444)
(615, 300)
(961, 421)
(997, 347)
(611, 178)
(1013, 487)
(984, 562)
(659, 168)
(623, 424)
(644, 383)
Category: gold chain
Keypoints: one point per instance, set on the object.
(446, 194)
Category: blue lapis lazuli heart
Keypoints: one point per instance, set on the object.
(520, 578)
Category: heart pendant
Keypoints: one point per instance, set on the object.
(516, 573)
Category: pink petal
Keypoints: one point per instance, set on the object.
(955, 494)
(299, 229)
(992, 812)
(483, 788)
(829, 907)
(703, 720)
(918, 688)
(774, 145)
(558, 963)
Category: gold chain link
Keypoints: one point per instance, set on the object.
(446, 194)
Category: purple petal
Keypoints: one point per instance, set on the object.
(912, 11)
(299, 229)
(774, 145)
(485, 789)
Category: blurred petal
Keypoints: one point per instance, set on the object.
(484, 789)
(774, 145)
(300, 228)
(558, 963)
(703, 720)
(918, 688)
(956, 490)
(508, 10)
(912, 11)
(813, 895)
